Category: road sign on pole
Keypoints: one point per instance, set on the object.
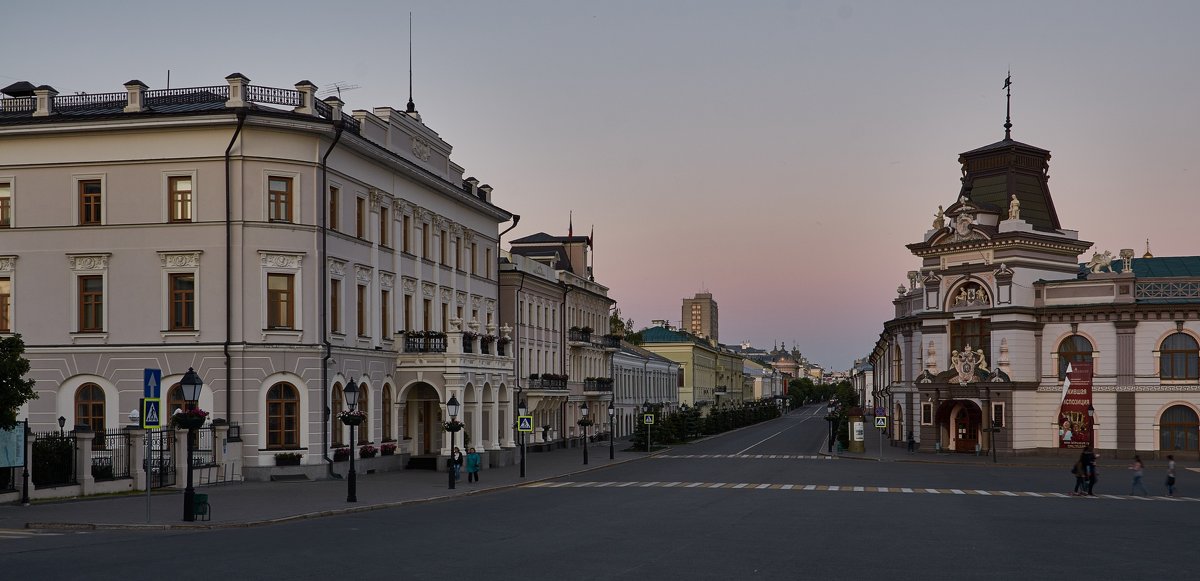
(151, 413)
(151, 383)
(648, 419)
(525, 423)
(881, 422)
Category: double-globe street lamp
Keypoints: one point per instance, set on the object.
(583, 409)
(351, 393)
(191, 385)
(452, 408)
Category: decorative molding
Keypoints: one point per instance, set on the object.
(409, 284)
(403, 206)
(362, 274)
(1157, 388)
(445, 294)
(337, 267)
(475, 299)
(387, 280)
(440, 222)
(7, 263)
(462, 298)
(420, 148)
(280, 260)
(88, 262)
(428, 289)
(468, 235)
(491, 305)
(179, 259)
(376, 197)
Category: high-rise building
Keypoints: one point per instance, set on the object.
(700, 316)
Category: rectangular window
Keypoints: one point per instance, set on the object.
(926, 414)
(445, 316)
(335, 198)
(5, 305)
(91, 304)
(90, 196)
(427, 315)
(5, 205)
(971, 333)
(997, 415)
(406, 226)
(279, 199)
(408, 312)
(458, 253)
(280, 301)
(474, 266)
(384, 223)
(360, 218)
(445, 257)
(179, 190)
(335, 305)
(362, 311)
(425, 241)
(183, 302)
(385, 313)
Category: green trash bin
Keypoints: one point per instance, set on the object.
(200, 507)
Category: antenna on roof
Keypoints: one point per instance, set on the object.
(411, 110)
(168, 78)
(1008, 106)
(337, 88)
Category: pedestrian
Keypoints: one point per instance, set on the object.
(1080, 472)
(1138, 472)
(912, 442)
(1170, 475)
(456, 462)
(472, 465)
(1089, 466)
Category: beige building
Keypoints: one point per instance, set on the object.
(697, 359)
(277, 244)
(699, 316)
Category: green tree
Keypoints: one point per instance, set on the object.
(15, 390)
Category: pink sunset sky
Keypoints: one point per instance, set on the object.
(777, 154)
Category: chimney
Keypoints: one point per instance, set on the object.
(486, 192)
(137, 96)
(45, 100)
(237, 90)
(335, 105)
(472, 186)
(308, 92)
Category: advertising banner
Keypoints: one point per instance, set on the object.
(1074, 424)
(12, 446)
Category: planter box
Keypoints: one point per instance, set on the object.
(287, 461)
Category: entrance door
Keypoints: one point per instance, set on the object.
(966, 431)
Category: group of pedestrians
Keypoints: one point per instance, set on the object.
(1086, 474)
(472, 460)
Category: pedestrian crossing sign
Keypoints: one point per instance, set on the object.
(151, 417)
(525, 423)
(881, 422)
(648, 419)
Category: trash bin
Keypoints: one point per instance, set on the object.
(200, 506)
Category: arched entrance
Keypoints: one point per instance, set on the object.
(1179, 429)
(959, 422)
(423, 419)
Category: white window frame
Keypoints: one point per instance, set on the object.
(89, 264)
(1000, 417)
(927, 405)
(387, 282)
(282, 263)
(166, 196)
(75, 179)
(11, 180)
(179, 262)
(8, 269)
(296, 217)
(336, 270)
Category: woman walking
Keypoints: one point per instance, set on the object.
(456, 462)
(1170, 475)
(1138, 472)
(1089, 466)
(472, 465)
(1080, 472)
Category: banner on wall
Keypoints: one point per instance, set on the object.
(1074, 424)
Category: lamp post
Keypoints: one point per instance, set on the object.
(351, 393)
(452, 409)
(1091, 411)
(612, 453)
(522, 410)
(829, 419)
(645, 410)
(61, 423)
(583, 409)
(191, 384)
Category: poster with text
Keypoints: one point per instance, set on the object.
(12, 446)
(1074, 424)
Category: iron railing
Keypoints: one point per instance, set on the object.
(91, 100)
(54, 459)
(272, 95)
(111, 459)
(608, 341)
(598, 384)
(203, 454)
(575, 335)
(548, 384)
(189, 94)
(18, 104)
(417, 344)
(162, 458)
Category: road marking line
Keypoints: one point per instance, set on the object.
(983, 493)
(882, 489)
(956, 491)
(787, 486)
(859, 489)
(670, 484)
(716, 485)
(811, 487)
(694, 484)
(1007, 493)
(624, 484)
(649, 484)
(1114, 497)
(762, 486)
(833, 488)
(909, 490)
(932, 491)
(1033, 494)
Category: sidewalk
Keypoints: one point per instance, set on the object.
(260, 503)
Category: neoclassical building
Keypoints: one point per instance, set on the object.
(277, 244)
(1004, 297)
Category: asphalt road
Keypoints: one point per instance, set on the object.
(681, 517)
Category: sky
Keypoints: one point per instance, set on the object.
(777, 154)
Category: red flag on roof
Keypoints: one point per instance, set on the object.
(570, 224)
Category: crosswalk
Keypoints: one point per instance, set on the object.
(13, 534)
(747, 456)
(839, 488)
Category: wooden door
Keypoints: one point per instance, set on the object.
(966, 431)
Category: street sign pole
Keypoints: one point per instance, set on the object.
(149, 434)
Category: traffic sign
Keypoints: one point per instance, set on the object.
(648, 419)
(524, 423)
(881, 422)
(151, 413)
(151, 383)
(879, 411)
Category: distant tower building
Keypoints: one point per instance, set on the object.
(700, 316)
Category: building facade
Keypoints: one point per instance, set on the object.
(699, 316)
(531, 300)
(697, 359)
(280, 246)
(640, 376)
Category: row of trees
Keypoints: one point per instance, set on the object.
(688, 423)
(842, 395)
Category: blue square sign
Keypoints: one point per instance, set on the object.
(151, 383)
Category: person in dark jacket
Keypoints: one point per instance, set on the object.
(1089, 465)
(473, 461)
(456, 462)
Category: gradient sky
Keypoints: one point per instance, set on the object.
(777, 154)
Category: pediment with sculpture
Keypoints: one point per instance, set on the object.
(958, 224)
(971, 295)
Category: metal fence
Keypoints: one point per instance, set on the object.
(203, 455)
(110, 455)
(54, 459)
(8, 479)
(162, 458)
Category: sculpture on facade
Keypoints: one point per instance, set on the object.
(1099, 262)
(1014, 208)
(939, 219)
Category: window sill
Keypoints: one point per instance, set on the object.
(296, 334)
(168, 335)
(89, 338)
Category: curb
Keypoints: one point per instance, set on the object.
(318, 514)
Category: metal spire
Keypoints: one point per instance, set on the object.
(1008, 107)
(412, 107)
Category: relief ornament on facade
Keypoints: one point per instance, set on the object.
(967, 363)
(1099, 262)
(420, 148)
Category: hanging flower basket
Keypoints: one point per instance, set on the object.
(453, 426)
(585, 423)
(190, 419)
(353, 418)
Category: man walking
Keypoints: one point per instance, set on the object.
(912, 443)
(1170, 475)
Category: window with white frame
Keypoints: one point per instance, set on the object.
(281, 276)
(89, 291)
(180, 196)
(89, 192)
(6, 203)
(181, 280)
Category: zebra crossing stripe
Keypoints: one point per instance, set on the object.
(762, 486)
(909, 490)
(859, 489)
(811, 487)
(787, 486)
(694, 484)
(882, 489)
(983, 493)
(932, 491)
(1007, 493)
(834, 488)
(956, 491)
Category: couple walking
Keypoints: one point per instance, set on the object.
(1139, 472)
(472, 460)
(1085, 473)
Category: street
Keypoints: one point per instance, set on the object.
(729, 515)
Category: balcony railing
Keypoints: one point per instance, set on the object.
(608, 341)
(548, 384)
(419, 344)
(577, 336)
(598, 384)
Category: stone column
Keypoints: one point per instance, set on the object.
(308, 93)
(45, 95)
(220, 435)
(501, 424)
(137, 457)
(335, 106)
(237, 90)
(83, 460)
(137, 94)
(476, 426)
(182, 462)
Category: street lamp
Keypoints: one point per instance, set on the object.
(583, 409)
(452, 408)
(191, 384)
(351, 393)
(1091, 411)
(645, 410)
(522, 410)
(612, 453)
(61, 423)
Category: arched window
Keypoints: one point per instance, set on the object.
(897, 364)
(1179, 358)
(386, 412)
(89, 407)
(175, 400)
(1074, 348)
(337, 406)
(1179, 429)
(283, 417)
